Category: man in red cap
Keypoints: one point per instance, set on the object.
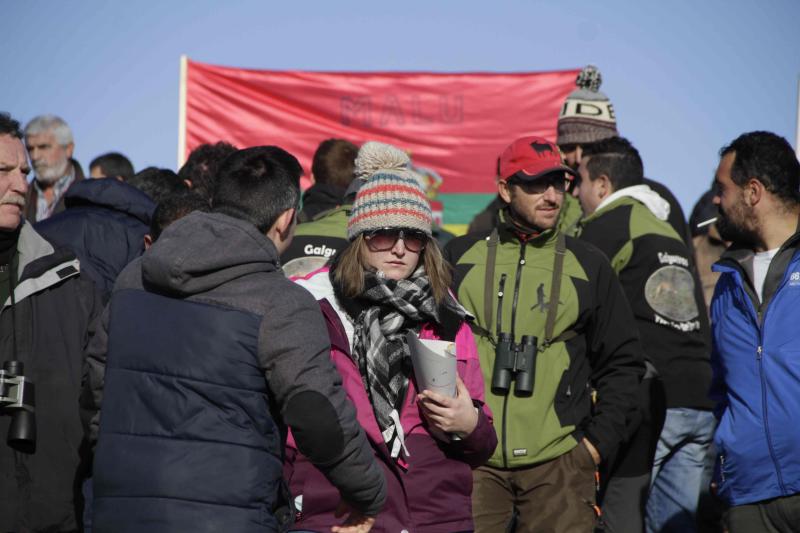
(552, 323)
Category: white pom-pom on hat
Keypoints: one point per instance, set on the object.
(374, 156)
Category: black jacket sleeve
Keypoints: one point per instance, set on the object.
(616, 358)
(294, 350)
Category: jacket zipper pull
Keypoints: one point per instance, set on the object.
(758, 353)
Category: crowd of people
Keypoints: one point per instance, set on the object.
(217, 350)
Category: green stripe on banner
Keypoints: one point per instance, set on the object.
(460, 208)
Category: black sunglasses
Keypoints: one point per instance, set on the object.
(557, 180)
(382, 240)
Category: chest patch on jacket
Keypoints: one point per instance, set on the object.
(520, 452)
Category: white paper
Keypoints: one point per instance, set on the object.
(434, 364)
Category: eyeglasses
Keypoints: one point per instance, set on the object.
(382, 240)
(557, 181)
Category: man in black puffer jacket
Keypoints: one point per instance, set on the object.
(104, 225)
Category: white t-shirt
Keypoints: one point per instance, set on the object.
(761, 263)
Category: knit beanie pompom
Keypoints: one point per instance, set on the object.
(587, 115)
(589, 79)
(374, 156)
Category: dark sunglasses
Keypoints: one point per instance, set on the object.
(382, 240)
(538, 186)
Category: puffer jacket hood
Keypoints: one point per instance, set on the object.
(104, 225)
(112, 194)
(187, 259)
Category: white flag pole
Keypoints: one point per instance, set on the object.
(182, 111)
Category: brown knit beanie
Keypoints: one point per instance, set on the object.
(391, 196)
(587, 115)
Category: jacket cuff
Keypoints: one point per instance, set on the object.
(478, 446)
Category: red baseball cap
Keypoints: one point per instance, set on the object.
(530, 158)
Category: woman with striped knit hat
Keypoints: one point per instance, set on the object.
(392, 279)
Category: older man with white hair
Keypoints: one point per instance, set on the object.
(50, 146)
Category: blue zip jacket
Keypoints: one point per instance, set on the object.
(756, 365)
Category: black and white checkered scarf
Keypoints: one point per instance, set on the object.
(380, 348)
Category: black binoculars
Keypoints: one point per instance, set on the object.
(17, 400)
(514, 361)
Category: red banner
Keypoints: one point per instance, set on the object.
(455, 124)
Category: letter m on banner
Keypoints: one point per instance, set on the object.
(455, 124)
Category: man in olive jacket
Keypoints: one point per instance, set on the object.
(525, 281)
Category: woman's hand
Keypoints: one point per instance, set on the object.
(451, 415)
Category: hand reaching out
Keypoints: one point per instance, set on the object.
(355, 521)
(451, 415)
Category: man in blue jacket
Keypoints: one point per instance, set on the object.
(756, 355)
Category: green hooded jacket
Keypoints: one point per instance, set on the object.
(601, 351)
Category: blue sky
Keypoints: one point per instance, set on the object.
(685, 77)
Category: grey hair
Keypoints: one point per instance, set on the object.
(52, 124)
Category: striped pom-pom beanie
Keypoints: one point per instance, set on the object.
(587, 115)
(391, 198)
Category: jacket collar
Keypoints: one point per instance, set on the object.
(33, 197)
(510, 232)
(740, 258)
(742, 254)
(40, 265)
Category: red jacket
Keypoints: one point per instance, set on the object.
(431, 493)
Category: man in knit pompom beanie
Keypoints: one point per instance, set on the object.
(587, 116)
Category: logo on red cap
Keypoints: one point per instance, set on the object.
(531, 158)
(541, 148)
